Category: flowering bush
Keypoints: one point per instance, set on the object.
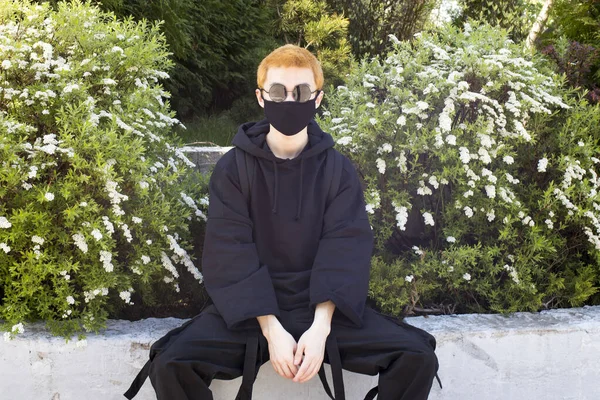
(481, 175)
(94, 202)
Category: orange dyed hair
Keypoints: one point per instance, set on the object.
(286, 56)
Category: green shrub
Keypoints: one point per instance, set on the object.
(95, 197)
(371, 21)
(516, 16)
(313, 25)
(481, 175)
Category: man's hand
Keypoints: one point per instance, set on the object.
(282, 346)
(312, 346)
(312, 343)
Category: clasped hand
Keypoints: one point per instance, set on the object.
(300, 361)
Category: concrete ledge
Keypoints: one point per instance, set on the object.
(204, 157)
(527, 356)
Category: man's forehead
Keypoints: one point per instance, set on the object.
(289, 76)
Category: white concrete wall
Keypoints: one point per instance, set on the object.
(528, 356)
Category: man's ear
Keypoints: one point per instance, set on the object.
(319, 99)
(259, 98)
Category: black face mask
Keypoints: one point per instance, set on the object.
(290, 117)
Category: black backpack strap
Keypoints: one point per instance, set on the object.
(245, 167)
(333, 168)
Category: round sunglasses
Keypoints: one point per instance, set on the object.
(301, 93)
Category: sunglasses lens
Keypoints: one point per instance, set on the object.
(277, 92)
(304, 93)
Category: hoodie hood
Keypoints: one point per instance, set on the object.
(251, 138)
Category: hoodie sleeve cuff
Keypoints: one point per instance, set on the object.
(240, 303)
(350, 314)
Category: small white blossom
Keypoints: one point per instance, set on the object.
(4, 223)
(508, 159)
(542, 164)
(467, 276)
(409, 278)
(80, 242)
(380, 165)
(428, 219)
(97, 234)
(49, 196)
(451, 239)
(37, 239)
(70, 300)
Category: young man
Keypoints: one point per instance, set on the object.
(288, 271)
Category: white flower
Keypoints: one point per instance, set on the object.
(145, 259)
(126, 296)
(4, 247)
(508, 159)
(385, 148)
(106, 257)
(428, 219)
(108, 81)
(373, 121)
(97, 234)
(580, 143)
(70, 300)
(451, 139)
(542, 164)
(423, 190)
(83, 204)
(409, 278)
(451, 239)
(49, 196)
(380, 165)
(549, 223)
(434, 182)
(80, 242)
(490, 191)
(136, 220)
(467, 276)
(468, 211)
(370, 105)
(4, 223)
(401, 120)
(143, 185)
(37, 239)
(417, 251)
(6, 64)
(465, 157)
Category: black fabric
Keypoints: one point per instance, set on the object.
(206, 349)
(290, 248)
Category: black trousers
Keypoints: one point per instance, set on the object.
(184, 362)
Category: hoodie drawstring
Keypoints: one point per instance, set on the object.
(274, 200)
(300, 196)
(274, 197)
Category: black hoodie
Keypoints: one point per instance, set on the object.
(289, 249)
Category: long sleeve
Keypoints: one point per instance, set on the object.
(239, 285)
(340, 271)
